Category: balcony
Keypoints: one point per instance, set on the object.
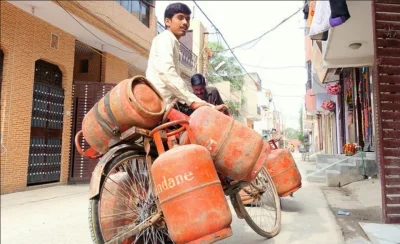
(186, 56)
(337, 50)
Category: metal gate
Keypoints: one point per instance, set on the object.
(1, 68)
(386, 21)
(46, 124)
(85, 96)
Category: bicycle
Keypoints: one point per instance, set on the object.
(134, 209)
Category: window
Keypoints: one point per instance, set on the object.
(47, 73)
(139, 8)
(144, 14)
(136, 9)
(84, 66)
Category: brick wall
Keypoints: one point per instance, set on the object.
(113, 19)
(25, 39)
(114, 69)
(133, 71)
(94, 59)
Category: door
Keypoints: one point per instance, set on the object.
(85, 95)
(386, 85)
(44, 163)
(1, 68)
(342, 116)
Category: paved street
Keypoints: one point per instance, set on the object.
(306, 218)
(59, 215)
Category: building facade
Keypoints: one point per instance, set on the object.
(329, 64)
(361, 55)
(251, 88)
(49, 47)
(58, 59)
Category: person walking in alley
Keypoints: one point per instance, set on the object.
(163, 66)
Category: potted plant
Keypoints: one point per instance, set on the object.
(333, 89)
(328, 105)
(349, 149)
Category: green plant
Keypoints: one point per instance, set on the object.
(234, 107)
(230, 71)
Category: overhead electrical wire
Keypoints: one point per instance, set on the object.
(234, 55)
(308, 71)
(265, 33)
(223, 38)
(282, 67)
(120, 26)
(92, 32)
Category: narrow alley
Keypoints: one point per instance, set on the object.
(125, 121)
(59, 215)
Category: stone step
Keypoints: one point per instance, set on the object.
(316, 178)
(332, 178)
(346, 170)
(335, 177)
(319, 177)
(324, 165)
(311, 171)
(371, 168)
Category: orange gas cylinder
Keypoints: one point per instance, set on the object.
(133, 102)
(113, 206)
(237, 150)
(191, 196)
(283, 170)
(252, 198)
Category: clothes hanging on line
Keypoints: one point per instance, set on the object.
(339, 12)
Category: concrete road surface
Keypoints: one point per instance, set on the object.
(306, 218)
(58, 215)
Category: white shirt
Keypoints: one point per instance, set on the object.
(163, 69)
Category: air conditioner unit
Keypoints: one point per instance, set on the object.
(333, 75)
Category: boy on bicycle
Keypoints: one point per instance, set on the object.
(163, 67)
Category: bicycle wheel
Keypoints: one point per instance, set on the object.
(263, 214)
(125, 197)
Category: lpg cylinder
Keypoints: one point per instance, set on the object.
(191, 196)
(237, 150)
(283, 171)
(254, 198)
(113, 206)
(133, 102)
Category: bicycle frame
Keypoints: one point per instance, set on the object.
(158, 135)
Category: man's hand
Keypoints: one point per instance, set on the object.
(196, 105)
(223, 108)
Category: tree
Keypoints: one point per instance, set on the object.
(228, 70)
(292, 133)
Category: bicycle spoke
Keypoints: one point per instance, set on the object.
(263, 209)
(127, 199)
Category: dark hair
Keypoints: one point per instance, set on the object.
(176, 8)
(197, 80)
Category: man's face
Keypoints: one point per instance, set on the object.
(179, 24)
(200, 91)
